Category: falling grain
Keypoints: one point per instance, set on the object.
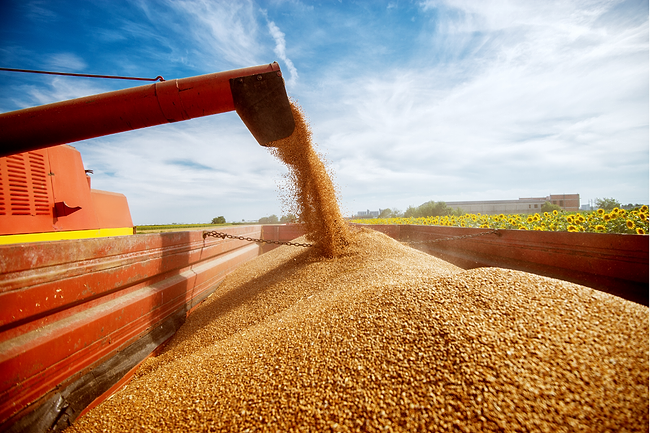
(310, 189)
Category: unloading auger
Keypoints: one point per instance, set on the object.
(257, 94)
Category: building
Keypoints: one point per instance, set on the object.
(569, 202)
(368, 214)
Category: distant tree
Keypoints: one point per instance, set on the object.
(428, 209)
(390, 213)
(457, 212)
(410, 212)
(607, 203)
(291, 218)
(273, 219)
(631, 206)
(550, 207)
(219, 220)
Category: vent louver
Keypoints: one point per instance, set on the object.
(23, 185)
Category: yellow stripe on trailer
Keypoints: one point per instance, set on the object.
(58, 236)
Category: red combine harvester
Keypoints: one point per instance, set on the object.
(79, 312)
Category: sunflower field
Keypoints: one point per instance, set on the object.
(617, 220)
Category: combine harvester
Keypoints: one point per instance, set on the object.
(83, 301)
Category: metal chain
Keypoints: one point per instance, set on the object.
(454, 238)
(298, 244)
(262, 241)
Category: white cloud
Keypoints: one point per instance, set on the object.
(51, 89)
(65, 62)
(281, 51)
(187, 172)
(543, 104)
(227, 29)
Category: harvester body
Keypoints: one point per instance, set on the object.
(46, 189)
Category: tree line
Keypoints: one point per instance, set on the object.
(440, 208)
(433, 209)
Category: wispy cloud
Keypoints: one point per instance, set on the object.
(187, 171)
(227, 29)
(49, 90)
(281, 51)
(65, 62)
(521, 109)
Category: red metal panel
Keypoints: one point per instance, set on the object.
(114, 290)
(111, 208)
(282, 233)
(70, 188)
(48, 190)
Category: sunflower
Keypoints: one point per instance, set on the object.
(640, 231)
(572, 228)
(630, 224)
(522, 228)
(606, 217)
(530, 219)
(600, 228)
(554, 212)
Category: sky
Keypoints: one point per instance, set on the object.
(408, 101)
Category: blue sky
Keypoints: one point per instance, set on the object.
(409, 101)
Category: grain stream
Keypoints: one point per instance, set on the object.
(387, 338)
(309, 190)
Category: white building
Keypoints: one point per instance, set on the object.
(368, 213)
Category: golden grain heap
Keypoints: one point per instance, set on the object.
(372, 335)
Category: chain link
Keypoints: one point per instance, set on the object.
(454, 238)
(262, 241)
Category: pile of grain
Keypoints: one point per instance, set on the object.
(309, 191)
(386, 338)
